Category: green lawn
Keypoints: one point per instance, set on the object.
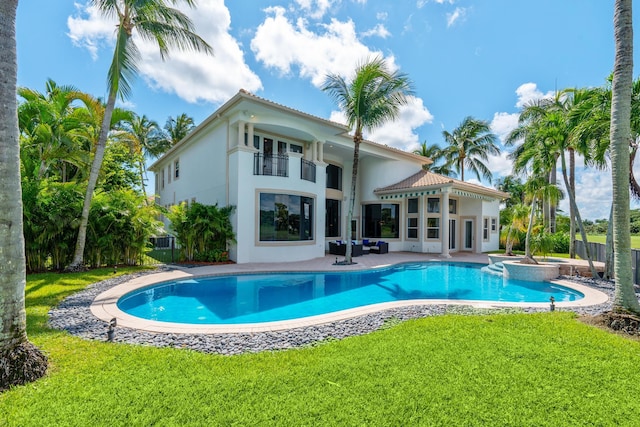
(503, 369)
(602, 238)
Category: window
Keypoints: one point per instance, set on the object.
(412, 228)
(485, 228)
(282, 147)
(334, 177)
(157, 183)
(332, 218)
(256, 142)
(162, 180)
(412, 218)
(433, 228)
(453, 206)
(169, 174)
(381, 220)
(285, 217)
(176, 169)
(412, 206)
(494, 225)
(294, 148)
(433, 205)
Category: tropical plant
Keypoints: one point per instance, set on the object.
(434, 152)
(20, 361)
(145, 140)
(537, 188)
(50, 125)
(621, 90)
(515, 224)
(176, 129)
(202, 231)
(374, 96)
(153, 20)
(120, 225)
(512, 185)
(469, 145)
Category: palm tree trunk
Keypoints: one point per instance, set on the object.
(20, 361)
(78, 258)
(572, 202)
(608, 263)
(352, 195)
(621, 92)
(572, 215)
(528, 257)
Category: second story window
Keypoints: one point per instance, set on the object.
(334, 177)
(176, 169)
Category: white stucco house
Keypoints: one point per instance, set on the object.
(288, 173)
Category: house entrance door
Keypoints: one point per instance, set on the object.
(453, 237)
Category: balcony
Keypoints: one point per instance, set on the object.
(272, 165)
(307, 170)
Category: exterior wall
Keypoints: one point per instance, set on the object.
(203, 171)
(491, 210)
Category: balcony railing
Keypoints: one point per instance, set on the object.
(307, 170)
(273, 165)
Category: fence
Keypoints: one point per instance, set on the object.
(598, 253)
(164, 250)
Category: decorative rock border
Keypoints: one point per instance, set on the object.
(73, 315)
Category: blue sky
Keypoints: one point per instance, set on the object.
(478, 58)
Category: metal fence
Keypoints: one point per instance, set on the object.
(164, 250)
(598, 253)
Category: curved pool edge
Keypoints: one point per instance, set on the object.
(104, 306)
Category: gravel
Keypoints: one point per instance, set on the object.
(74, 315)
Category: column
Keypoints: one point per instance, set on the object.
(250, 135)
(314, 150)
(241, 133)
(445, 223)
(321, 152)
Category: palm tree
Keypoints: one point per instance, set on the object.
(145, 140)
(434, 152)
(515, 216)
(470, 145)
(20, 361)
(373, 97)
(178, 128)
(621, 90)
(153, 20)
(544, 129)
(537, 188)
(48, 122)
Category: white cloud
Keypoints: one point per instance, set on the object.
(379, 30)
(528, 92)
(458, 14)
(382, 16)
(281, 44)
(503, 123)
(190, 75)
(400, 132)
(316, 9)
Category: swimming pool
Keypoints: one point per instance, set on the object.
(270, 297)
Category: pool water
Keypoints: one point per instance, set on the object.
(255, 298)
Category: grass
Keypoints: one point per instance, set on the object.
(501, 369)
(602, 238)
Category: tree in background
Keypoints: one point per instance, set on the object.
(373, 97)
(469, 146)
(153, 20)
(20, 361)
(176, 129)
(434, 152)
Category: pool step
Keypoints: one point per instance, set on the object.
(496, 268)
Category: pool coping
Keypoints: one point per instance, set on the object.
(104, 306)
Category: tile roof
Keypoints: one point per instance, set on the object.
(429, 180)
